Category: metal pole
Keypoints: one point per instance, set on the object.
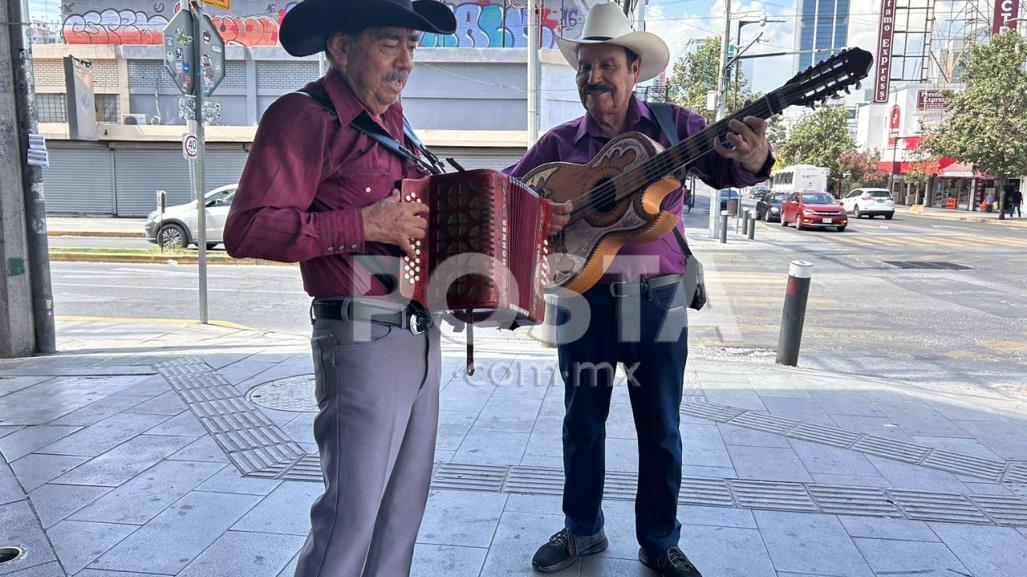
(533, 72)
(723, 227)
(37, 244)
(722, 71)
(752, 224)
(793, 316)
(201, 204)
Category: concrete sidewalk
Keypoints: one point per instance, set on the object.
(162, 449)
(960, 215)
(95, 226)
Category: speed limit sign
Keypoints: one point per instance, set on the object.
(190, 146)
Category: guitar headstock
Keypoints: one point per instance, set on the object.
(826, 79)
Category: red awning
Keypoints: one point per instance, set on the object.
(962, 170)
(941, 165)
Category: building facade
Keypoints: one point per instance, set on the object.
(821, 30)
(466, 98)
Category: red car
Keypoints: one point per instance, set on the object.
(813, 210)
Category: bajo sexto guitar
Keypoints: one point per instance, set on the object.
(617, 195)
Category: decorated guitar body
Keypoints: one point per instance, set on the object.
(617, 195)
(609, 218)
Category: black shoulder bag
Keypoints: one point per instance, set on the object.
(695, 286)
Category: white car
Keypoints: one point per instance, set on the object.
(177, 227)
(869, 202)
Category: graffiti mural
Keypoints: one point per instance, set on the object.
(480, 23)
(248, 23)
(504, 24)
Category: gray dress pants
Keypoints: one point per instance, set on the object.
(377, 390)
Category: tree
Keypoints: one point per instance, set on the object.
(986, 123)
(862, 167)
(695, 75)
(820, 139)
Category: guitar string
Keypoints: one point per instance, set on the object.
(663, 161)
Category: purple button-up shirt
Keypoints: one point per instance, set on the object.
(580, 140)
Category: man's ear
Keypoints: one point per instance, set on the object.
(636, 67)
(338, 46)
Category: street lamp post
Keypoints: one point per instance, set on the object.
(762, 21)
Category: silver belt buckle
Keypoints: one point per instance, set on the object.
(417, 323)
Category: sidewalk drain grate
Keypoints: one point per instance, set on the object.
(289, 394)
(926, 265)
(12, 553)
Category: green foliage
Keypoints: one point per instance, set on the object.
(862, 167)
(820, 139)
(695, 74)
(986, 123)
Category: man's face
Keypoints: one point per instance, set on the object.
(605, 79)
(376, 63)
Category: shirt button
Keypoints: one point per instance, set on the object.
(331, 249)
(368, 189)
(353, 246)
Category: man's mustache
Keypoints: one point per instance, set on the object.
(396, 77)
(598, 89)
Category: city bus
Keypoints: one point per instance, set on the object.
(799, 178)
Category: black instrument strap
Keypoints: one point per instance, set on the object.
(662, 113)
(373, 130)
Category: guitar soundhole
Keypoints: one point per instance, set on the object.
(603, 197)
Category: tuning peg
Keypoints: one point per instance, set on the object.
(859, 85)
(847, 91)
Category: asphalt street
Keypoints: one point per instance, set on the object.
(867, 314)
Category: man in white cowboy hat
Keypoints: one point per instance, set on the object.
(610, 59)
(319, 191)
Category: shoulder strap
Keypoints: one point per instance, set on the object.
(662, 113)
(663, 117)
(364, 124)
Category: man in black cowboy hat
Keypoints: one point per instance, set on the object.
(318, 190)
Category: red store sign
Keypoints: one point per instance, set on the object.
(1005, 10)
(882, 79)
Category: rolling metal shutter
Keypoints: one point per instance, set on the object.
(471, 159)
(141, 171)
(80, 178)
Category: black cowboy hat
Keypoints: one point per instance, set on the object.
(308, 24)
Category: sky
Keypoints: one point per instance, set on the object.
(679, 22)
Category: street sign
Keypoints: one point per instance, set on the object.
(178, 53)
(222, 4)
(178, 50)
(190, 146)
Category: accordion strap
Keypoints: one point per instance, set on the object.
(375, 132)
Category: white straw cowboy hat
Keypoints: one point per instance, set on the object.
(607, 24)
(308, 24)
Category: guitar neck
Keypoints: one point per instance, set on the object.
(689, 150)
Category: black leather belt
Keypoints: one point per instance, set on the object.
(410, 317)
(644, 286)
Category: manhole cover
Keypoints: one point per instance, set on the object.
(10, 554)
(288, 394)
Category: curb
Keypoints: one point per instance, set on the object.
(159, 259)
(961, 218)
(97, 233)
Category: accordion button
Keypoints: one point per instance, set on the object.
(368, 189)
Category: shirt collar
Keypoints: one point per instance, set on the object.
(637, 111)
(346, 103)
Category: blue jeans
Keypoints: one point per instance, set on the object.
(654, 356)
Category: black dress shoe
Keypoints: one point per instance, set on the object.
(671, 563)
(564, 548)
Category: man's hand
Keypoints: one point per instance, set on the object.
(394, 222)
(748, 141)
(561, 216)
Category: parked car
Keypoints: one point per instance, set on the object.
(759, 191)
(177, 227)
(813, 210)
(869, 202)
(727, 194)
(769, 207)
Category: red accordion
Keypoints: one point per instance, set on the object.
(484, 257)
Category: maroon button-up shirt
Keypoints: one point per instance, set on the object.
(307, 178)
(580, 140)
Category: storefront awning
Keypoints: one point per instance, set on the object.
(962, 170)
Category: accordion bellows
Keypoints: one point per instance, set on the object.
(484, 257)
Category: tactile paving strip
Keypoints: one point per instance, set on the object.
(961, 464)
(250, 440)
(258, 448)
